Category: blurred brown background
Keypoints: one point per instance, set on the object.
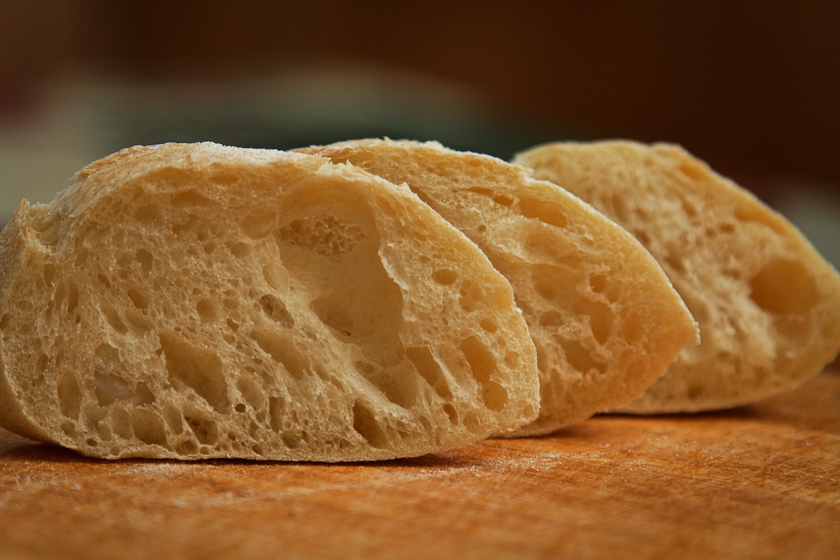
(750, 86)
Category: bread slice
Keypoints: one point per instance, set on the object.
(768, 305)
(604, 317)
(197, 301)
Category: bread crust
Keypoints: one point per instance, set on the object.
(199, 301)
(767, 303)
(603, 315)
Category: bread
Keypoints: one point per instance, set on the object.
(604, 318)
(198, 301)
(768, 305)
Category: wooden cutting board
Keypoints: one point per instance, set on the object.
(760, 481)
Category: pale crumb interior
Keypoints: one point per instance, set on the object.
(184, 321)
(768, 306)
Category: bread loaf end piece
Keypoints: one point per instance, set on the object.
(767, 303)
(603, 316)
(198, 301)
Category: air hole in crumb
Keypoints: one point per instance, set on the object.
(544, 211)
(240, 250)
(642, 236)
(470, 295)
(69, 396)
(689, 208)
(580, 358)
(429, 369)
(333, 315)
(276, 413)
(495, 396)
(445, 277)
(481, 361)
(364, 368)
(138, 320)
(292, 440)
(145, 259)
(452, 413)
(488, 325)
(187, 447)
(196, 367)
(472, 422)
(206, 431)
(784, 286)
(276, 310)
(110, 388)
(113, 317)
(240, 408)
(633, 328)
(551, 319)
(252, 394)
(552, 280)
(73, 297)
(482, 365)
(675, 261)
(191, 197)
(104, 280)
(511, 359)
(139, 299)
(695, 390)
(206, 310)
(483, 191)
(282, 350)
(366, 425)
(600, 318)
(504, 200)
(147, 427)
(325, 235)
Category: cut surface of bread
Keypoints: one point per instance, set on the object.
(604, 317)
(767, 303)
(199, 301)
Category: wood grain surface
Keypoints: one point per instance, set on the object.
(760, 481)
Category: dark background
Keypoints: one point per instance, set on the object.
(752, 87)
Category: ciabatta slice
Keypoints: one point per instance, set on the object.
(198, 301)
(767, 303)
(604, 317)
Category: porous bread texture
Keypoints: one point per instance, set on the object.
(199, 301)
(767, 303)
(603, 316)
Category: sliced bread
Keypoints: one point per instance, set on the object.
(604, 317)
(199, 301)
(767, 303)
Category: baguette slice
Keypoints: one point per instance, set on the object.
(604, 317)
(768, 305)
(197, 301)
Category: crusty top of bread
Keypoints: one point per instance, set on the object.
(197, 301)
(767, 303)
(604, 317)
